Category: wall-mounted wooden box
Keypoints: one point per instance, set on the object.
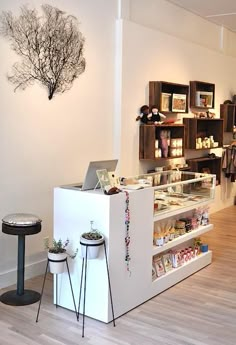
(149, 136)
(200, 128)
(202, 95)
(168, 97)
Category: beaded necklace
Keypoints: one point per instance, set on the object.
(127, 237)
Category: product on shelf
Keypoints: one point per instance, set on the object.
(154, 274)
(167, 262)
(202, 215)
(187, 224)
(206, 142)
(158, 264)
(172, 233)
(177, 257)
(159, 239)
(205, 216)
(168, 231)
(180, 227)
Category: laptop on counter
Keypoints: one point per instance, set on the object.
(91, 179)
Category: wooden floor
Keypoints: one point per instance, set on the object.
(200, 310)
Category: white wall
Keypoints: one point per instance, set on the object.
(45, 143)
(164, 16)
(150, 52)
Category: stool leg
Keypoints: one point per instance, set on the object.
(45, 274)
(21, 265)
(85, 276)
(81, 282)
(71, 288)
(109, 282)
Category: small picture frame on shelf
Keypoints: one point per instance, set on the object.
(179, 103)
(165, 101)
(104, 179)
(204, 99)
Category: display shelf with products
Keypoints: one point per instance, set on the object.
(203, 133)
(183, 238)
(131, 281)
(180, 273)
(228, 114)
(169, 97)
(202, 95)
(211, 164)
(183, 192)
(161, 141)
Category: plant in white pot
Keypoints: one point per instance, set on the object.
(92, 241)
(57, 254)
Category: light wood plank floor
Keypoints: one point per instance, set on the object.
(200, 310)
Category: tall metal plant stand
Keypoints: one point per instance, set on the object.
(84, 274)
(68, 271)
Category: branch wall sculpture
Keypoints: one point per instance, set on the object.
(50, 47)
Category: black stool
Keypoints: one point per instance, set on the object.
(21, 225)
(84, 274)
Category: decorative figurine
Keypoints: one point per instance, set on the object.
(155, 116)
(150, 118)
(144, 111)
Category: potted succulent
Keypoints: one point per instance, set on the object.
(92, 240)
(58, 253)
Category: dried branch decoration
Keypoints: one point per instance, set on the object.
(50, 47)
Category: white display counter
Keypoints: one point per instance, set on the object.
(73, 211)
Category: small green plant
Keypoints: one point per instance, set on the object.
(93, 234)
(59, 247)
(197, 242)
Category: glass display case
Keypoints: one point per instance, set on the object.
(175, 190)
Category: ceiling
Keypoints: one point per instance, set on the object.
(221, 12)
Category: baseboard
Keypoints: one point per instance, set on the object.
(33, 268)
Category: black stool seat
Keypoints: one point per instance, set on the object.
(20, 224)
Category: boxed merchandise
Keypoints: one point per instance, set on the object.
(167, 262)
(187, 221)
(158, 264)
(176, 258)
(154, 274)
(180, 227)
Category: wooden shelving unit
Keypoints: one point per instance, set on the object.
(202, 95)
(162, 94)
(149, 134)
(201, 128)
(228, 114)
(202, 163)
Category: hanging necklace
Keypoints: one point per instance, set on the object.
(127, 235)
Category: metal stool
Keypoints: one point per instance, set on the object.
(84, 273)
(21, 225)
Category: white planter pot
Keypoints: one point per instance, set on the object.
(57, 267)
(92, 251)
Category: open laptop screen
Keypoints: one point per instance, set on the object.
(91, 179)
